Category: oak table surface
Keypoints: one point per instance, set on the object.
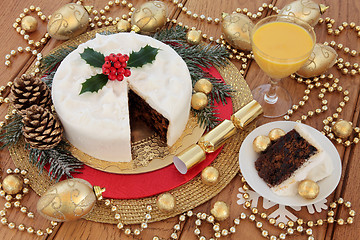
(348, 188)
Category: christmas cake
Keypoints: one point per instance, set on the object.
(98, 123)
(291, 159)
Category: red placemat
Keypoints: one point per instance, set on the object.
(133, 186)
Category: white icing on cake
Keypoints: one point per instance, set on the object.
(98, 123)
(318, 167)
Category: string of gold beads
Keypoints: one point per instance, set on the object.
(344, 67)
(290, 228)
(336, 31)
(13, 200)
(122, 227)
(210, 20)
(32, 45)
(103, 20)
(331, 119)
(234, 53)
(347, 67)
(99, 16)
(99, 20)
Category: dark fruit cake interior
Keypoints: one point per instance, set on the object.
(283, 157)
(141, 110)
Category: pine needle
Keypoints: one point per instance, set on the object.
(47, 79)
(196, 58)
(51, 61)
(11, 132)
(60, 160)
(207, 117)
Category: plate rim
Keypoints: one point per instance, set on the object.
(251, 180)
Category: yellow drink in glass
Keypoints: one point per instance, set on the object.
(281, 48)
(281, 44)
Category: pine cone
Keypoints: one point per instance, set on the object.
(41, 129)
(28, 91)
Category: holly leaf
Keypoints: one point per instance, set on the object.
(94, 84)
(146, 55)
(93, 58)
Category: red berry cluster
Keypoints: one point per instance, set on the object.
(115, 66)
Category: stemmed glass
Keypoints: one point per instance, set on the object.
(281, 44)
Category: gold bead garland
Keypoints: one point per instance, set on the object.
(14, 200)
(345, 68)
(32, 45)
(331, 119)
(99, 16)
(99, 19)
(258, 218)
(121, 226)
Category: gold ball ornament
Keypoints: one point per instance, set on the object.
(261, 143)
(67, 200)
(149, 17)
(306, 10)
(29, 24)
(193, 37)
(321, 59)
(12, 184)
(123, 26)
(166, 202)
(342, 129)
(203, 85)
(68, 21)
(220, 211)
(199, 101)
(210, 176)
(236, 28)
(276, 133)
(308, 189)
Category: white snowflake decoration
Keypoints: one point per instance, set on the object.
(281, 214)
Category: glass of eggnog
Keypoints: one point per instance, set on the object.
(281, 44)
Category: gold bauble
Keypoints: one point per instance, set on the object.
(29, 24)
(306, 10)
(276, 133)
(236, 28)
(261, 143)
(203, 85)
(149, 17)
(193, 37)
(166, 202)
(308, 189)
(199, 101)
(12, 184)
(342, 129)
(210, 176)
(68, 21)
(220, 211)
(68, 200)
(123, 26)
(321, 59)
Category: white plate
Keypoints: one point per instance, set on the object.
(248, 156)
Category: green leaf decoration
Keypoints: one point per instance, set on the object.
(146, 55)
(93, 58)
(94, 84)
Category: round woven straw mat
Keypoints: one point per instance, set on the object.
(189, 195)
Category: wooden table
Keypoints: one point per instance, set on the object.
(350, 182)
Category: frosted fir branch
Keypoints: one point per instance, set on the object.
(11, 132)
(60, 160)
